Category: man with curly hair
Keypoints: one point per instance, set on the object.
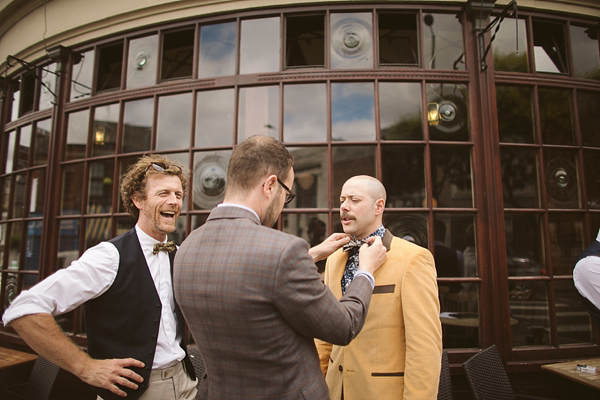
(134, 326)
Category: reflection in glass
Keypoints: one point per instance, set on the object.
(68, 242)
(48, 87)
(305, 41)
(459, 316)
(524, 244)
(217, 50)
(82, 75)
(584, 44)
(10, 152)
(555, 116)
(572, 319)
(16, 99)
(174, 122)
(310, 177)
(351, 40)
(515, 114)
(177, 55)
(77, 134)
(37, 191)
(310, 227)
(349, 161)
(110, 65)
(210, 177)
(100, 185)
(400, 111)
(447, 112)
(14, 245)
(519, 178)
(398, 42)
(562, 179)
(32, 250)
(18, 204)
(5, 196)
(215, 118)
(510, 54)
(27, 93)
(41, 142)
(451, 177)
(96, 230)
(260, 45)
(403, 169)
(588, 104)
(104, 135)
(591, 171)
(408, 226)
(443, 42)
(24, 145)
(305, 121)
(258, 112)
(451, 241)
(566, 235)
(529, 313)
(11, 289)
(549, 47)
(353, 111)
(137, 125)
(142, 62)
(71, 194)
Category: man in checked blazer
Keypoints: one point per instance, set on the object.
(397, 355)
(252, 296)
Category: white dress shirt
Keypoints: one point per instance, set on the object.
(92, 275)
(586, 277)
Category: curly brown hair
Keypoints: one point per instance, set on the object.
(134, 180)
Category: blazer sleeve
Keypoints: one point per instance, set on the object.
(309, 306)
(421, 311)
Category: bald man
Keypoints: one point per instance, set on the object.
(397, 355)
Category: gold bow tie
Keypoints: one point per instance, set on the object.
(166, 247)
(353, 245)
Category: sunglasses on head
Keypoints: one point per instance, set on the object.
(161, 167)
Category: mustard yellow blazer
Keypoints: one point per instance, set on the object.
(397, 355)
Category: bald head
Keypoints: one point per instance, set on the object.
(369, 186)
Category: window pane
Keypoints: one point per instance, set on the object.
(27, 94)
(305, 113)
(524, 244)
(68, 242)
(100, 185)
(562, 180)
(260, 45)
(529, 309)
(16, 99)
(14, 245)
(19, 196)
(77, 133)
(11, 289)
(82, 76)
(400, 111)
(43, 131)
(10, 152)
(447, 113)
(549, 47)
(258, 112)
(451, 241)
(555, 116)
(519, 178)
(353, 111)
(591, 171)
(104, 139)
(310, 177)
(510, 54)
(215, 118)
(398, 42)
(451, 177)
(460, 317)
(5, 199)
(37, 191)
(32, 251)
(96, 230)
(71, 194)
(178, 55)
(566, 234)
(142, 62)
(351, 36)
(408, 226)
(588, 104)
(403, 170)
(573, 321)
(443, 42)
(349, 161)
(137, 125)
(174, 122)
(48, 88)
(217, 50)
(210, 177)
(110, 64)
(305, 41)
(515, 114)
(24, 146)
(584, 44)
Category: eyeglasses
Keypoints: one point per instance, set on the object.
(161, 167)
(289, 196)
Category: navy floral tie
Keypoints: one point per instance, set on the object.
(352, 264)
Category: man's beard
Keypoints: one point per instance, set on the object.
(271, 215)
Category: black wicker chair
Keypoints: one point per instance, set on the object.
(445, 389)
(39, 385)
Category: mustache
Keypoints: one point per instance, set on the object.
(346, 215)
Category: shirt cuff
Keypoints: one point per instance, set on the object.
(367, 275)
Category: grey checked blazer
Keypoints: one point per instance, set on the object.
(254, 302)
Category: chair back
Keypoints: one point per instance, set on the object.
(197, 361)
(445, 389)
(487, 376)
(42, 378)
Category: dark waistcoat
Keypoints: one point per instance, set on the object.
(123, 322)
(592, 250)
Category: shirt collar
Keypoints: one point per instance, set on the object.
(378, 232)
(239, 206)
(146, 240)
